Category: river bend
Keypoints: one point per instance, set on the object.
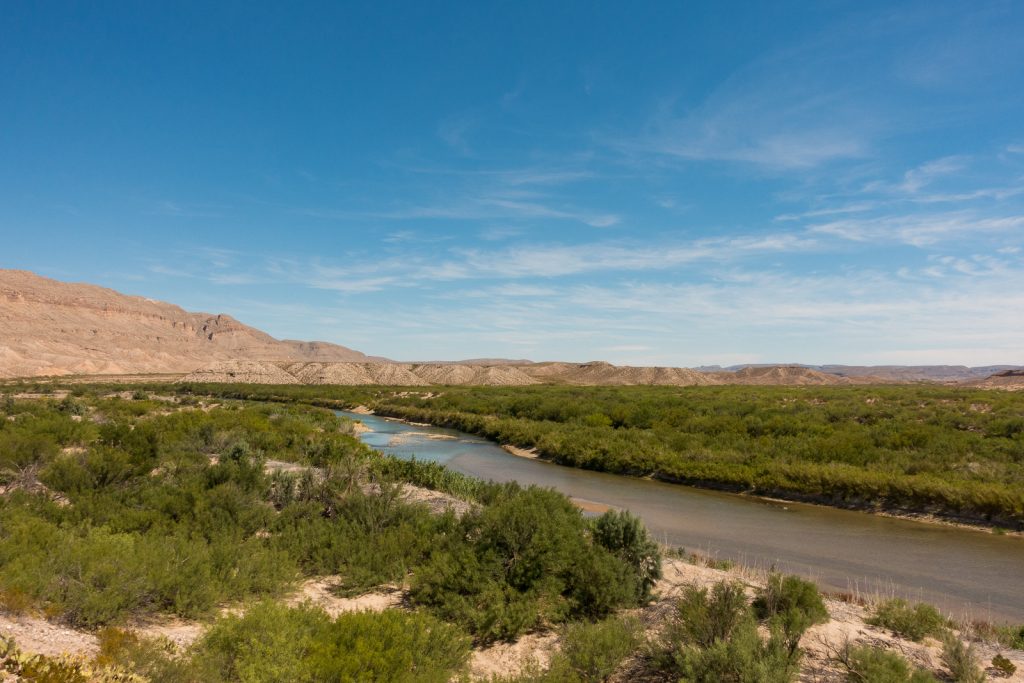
(966, 572)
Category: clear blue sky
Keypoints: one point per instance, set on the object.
(646, 183)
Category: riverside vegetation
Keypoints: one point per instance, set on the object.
(947, 451)
(115, 509)
(118, 508)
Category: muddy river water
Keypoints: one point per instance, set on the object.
(966, 572)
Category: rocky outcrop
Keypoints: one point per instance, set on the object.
(602, 373)
(49, 327)
(243, 372)
(484, 375)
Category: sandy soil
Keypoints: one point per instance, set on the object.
(38, 636)
(404, 437)
(503, 659)
(319, 591)
(521, 452)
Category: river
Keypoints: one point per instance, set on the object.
(968, 573)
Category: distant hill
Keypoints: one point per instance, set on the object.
(887, 373)
(423, 374)
(52, 328)
(48, 327)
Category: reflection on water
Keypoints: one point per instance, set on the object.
(969, 572)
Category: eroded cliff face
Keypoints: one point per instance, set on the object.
(48, 327)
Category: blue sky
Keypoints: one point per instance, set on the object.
(662, 183)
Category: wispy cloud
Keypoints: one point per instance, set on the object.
(501, 208)
(917, 178)
(859, 207)
(920, 230)
(562, 260)
(766, 116)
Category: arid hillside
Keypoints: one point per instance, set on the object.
(53, 328)
(1011, 380)
(49, 327)
(453, 374)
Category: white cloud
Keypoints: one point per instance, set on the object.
(831, 211)
(776, 113)
(555, 261)
(919, 230)
(917, 178)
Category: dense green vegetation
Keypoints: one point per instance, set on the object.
(271, 643)
(955, 451)
(167, 501)
(119, 507)
(947, 450)
(522, 562)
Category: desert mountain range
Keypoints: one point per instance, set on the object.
(53, 328)
(49, 327)
(423, 374)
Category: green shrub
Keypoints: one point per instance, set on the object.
(915, 622)
(524, 561)
(865, 664)
(390, 646)
(791, 603)
(744, 657)
(591, 652)
(961, 661)
(714, 637)
(70, 406)
(626, 537)
(1015, 637)
(273, 643)
(705, 617)
(1003, 665)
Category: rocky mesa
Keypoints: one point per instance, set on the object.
(48, 327)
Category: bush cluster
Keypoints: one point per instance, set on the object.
(866, 664)
(275, 643)
(526, 561)
(916, 622)
(715, 635)
(269, 644)
(121, 508)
